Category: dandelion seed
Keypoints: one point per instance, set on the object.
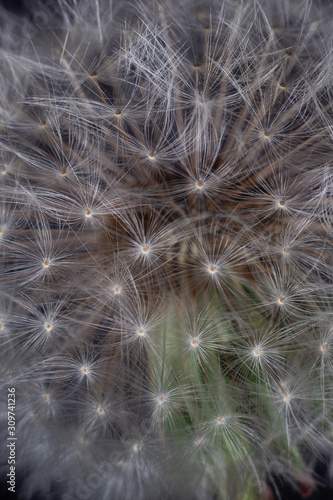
(48, 326)
(46, 263)
(194, 342)
(85, 370)
(100, 410)
(212, 269)
(88, 213)
(287, 398)
(220, 420)
(198, 441)
(141, 332)
(3, 170)
(257, 352)
(136, 447)
(117, 290)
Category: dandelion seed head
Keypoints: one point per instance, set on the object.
(198, 145)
